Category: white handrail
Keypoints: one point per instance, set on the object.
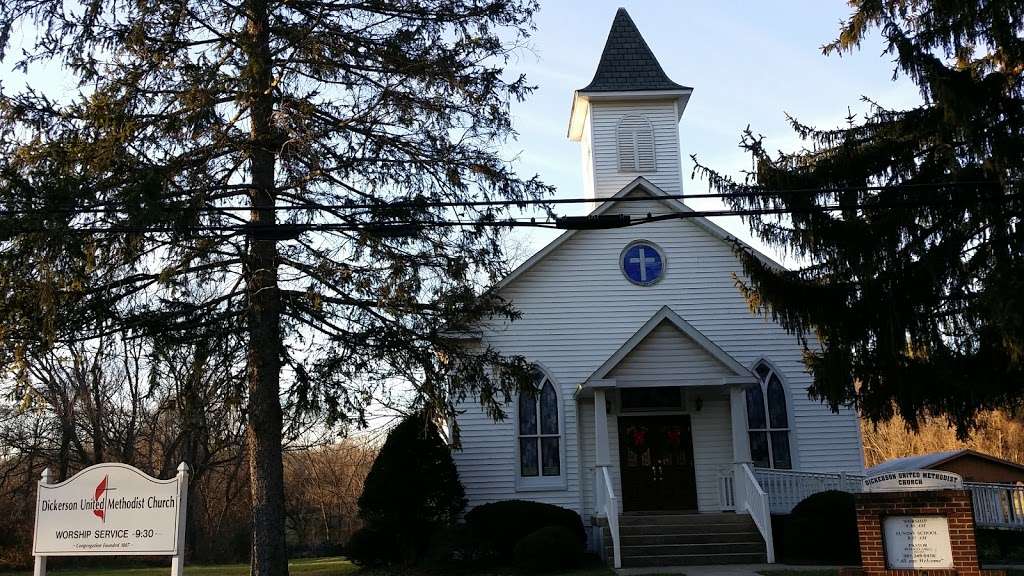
(751, 498)
(995, 505)
(609, 504)
(787, 488)
(998, 505)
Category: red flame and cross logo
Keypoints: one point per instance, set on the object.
(100, 496)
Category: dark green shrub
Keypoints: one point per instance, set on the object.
(503, 524)
(457, 547)
(1000, 546)
(370, 547)
(822, 529)
(412, 489)
(550, 548)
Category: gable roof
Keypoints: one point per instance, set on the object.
(738, 373)
(627, 63)
(933, 459)
(643, 185)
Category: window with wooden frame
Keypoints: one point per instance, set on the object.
(768, 420)
(539, 430)
(636, 144)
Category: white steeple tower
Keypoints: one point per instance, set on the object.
(627, 119)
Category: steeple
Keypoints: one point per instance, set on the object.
(627, 63)
(626, 119)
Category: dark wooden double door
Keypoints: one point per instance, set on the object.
(656, 460)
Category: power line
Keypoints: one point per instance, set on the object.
(422, 203)
(285, 231)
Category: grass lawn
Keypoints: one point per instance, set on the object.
(303, 567)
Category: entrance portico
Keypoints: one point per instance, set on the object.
(669, 418)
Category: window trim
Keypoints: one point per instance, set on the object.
(661, 254)
(540, 482)
(789, 429)
(636, 168)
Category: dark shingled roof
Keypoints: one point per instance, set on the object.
(627, 63)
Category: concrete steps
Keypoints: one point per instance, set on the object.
(657, 539)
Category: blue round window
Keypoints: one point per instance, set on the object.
(642, 263)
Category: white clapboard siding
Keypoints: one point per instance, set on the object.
(660, 161)
(712, 449)
(487, 459)
(578, 309)
(587, 161)
(667, 357)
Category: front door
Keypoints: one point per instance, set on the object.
(656, 459)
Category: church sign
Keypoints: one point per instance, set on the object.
(917, 542)
(915, 530)
(111, 509)
(912, 481)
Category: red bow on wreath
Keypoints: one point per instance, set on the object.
(674, 436)
(639, 437)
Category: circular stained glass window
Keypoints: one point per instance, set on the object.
(642, 263)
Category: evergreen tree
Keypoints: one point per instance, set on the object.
(413, 487)
(912, 279)
(175, 192)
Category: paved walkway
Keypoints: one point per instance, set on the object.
(724, 570)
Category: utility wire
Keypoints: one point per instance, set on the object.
(422, 203)
(284, 231)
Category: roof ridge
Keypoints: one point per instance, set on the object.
(627, 62)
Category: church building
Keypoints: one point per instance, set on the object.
(661, 401)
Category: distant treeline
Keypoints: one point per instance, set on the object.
(999, 433)
(153, 405)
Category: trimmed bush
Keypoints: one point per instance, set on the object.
(822, 529)
(550, 548)
(503, 524)
(369, 547)
(1000, 546)
(412, 489)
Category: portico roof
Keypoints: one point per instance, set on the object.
(735, 372)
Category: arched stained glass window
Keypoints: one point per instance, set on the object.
(768, 420)
(539, 430)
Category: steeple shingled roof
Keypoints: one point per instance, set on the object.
(627, 63)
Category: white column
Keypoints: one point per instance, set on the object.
(740, 442)
(740, 439)
(40, 560)
(601, 428)
(178, 560)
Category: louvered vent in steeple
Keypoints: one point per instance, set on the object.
(636, 144)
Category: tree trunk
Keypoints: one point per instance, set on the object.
(263, 428)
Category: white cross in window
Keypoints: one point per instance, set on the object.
(643, 261)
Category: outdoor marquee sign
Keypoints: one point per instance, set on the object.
(111, 509)
(912, 481)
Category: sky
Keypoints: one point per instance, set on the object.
(749, 63)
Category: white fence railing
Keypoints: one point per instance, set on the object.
(787, 488)
(752, 499)
(998, 505)
(726, 491)
(608, 506)
(995, 505)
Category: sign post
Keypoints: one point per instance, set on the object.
(40, 565)
(111, 509)
(178, 560)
